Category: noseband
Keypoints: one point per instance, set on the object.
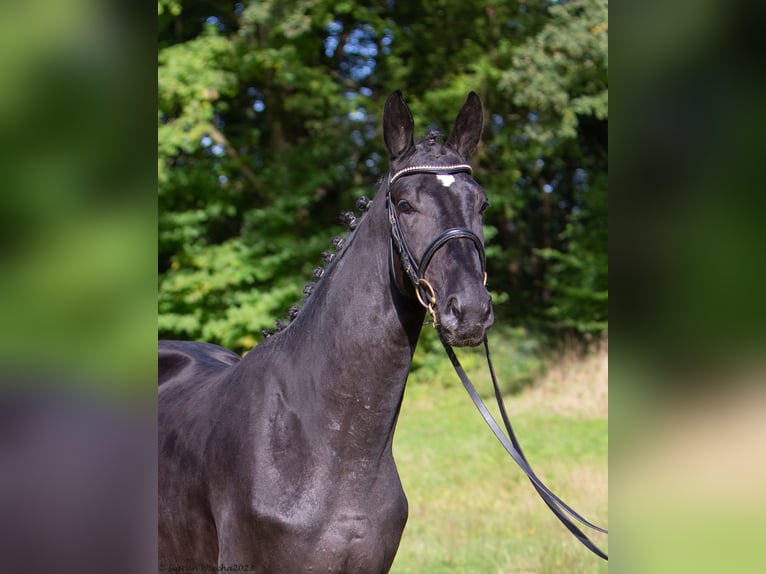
(417, 271)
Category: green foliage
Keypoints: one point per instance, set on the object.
(561, 72)
(579, 277)
(515, 353)
(269, 126)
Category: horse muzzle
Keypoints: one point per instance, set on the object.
(463, 321)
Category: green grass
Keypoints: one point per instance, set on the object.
(472, 509)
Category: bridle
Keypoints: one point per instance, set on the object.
(417, 271)
(427, 297)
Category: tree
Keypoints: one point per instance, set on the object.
(269, 119)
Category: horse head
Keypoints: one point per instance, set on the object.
(435, 210)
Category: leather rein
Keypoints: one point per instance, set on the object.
(427, 297)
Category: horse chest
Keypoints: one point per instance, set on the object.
(345, 528)
(347, 541)
(350, 542)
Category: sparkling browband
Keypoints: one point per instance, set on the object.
(461, 167)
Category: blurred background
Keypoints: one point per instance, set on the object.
(77, 289)
(77, 209)
(688, 400)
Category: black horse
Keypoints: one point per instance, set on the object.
(281, 461)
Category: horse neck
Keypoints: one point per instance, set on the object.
(357, 334)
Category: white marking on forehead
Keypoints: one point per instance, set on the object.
(446, 179)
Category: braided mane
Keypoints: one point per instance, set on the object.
(351, 221)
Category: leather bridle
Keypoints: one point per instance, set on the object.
(415, 271)
(427, 297)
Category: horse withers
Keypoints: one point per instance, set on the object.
(281, 461)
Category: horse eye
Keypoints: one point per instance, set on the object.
(484, 207)
(404, 206)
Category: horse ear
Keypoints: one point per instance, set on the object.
(469, 124)
(398, 125)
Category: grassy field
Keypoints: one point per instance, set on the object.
(471, 508)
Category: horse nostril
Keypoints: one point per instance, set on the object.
(453, 308)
